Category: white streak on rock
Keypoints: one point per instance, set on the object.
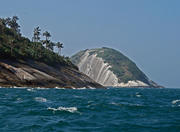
(99, 71)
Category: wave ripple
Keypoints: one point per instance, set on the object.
(87, 110)
(69, 109)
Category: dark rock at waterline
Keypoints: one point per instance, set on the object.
(31, 73)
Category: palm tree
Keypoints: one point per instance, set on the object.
(13, 24)
(59, 46)
(37, 32)
(47, 35)
(7, 21)
(47, 41)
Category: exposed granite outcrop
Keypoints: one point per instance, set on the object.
(36, 74)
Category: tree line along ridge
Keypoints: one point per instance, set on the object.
(14, 46)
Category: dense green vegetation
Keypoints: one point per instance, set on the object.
(14, 46)
(122, 66)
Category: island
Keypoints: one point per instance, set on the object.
(111, 68)
(33, 63)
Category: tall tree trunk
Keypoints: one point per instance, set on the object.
(59, 51)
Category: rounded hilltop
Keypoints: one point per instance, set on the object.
(110, 67)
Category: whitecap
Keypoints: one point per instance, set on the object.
(39, 88)
(59, 88)
(90, 101)
(113, 103)
(69, 109)
(40, 99)
(78, 88)
(91, 87)
(175, 101)
(18, 99)
(138, 94)
(30, 89)
(77, 96)
(17, 87)
(82, 88)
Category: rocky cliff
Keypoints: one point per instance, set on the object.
(31, 73)
(111, 68)
(26, 63)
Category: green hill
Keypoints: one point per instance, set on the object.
(34, 64)
(121, 66)
(15, 46)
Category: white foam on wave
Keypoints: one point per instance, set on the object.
(175, 101)
(40, 99)
(86, 88)
(69, 109)
(19, 99)
(113, 103)
(30, 89)
(138, 94)
(81, 88)
(77, 96)
(59, 88)
(39, 88)
(17, 87)
(125, 104)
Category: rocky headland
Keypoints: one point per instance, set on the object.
(26, 63)
(109, 67)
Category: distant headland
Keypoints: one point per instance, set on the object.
(32, 63)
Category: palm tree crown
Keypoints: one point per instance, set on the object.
(37, 32)
(47, 35)
(59, 46)
(13, 24)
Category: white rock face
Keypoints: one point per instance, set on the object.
(99, 71)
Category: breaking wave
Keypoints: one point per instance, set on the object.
(69, 109)
(40, 99)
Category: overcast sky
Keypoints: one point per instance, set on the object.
(147, 31)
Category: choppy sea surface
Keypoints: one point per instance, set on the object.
(89, 110)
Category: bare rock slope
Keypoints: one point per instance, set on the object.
(36, 74)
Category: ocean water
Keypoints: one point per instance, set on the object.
(89, 110)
